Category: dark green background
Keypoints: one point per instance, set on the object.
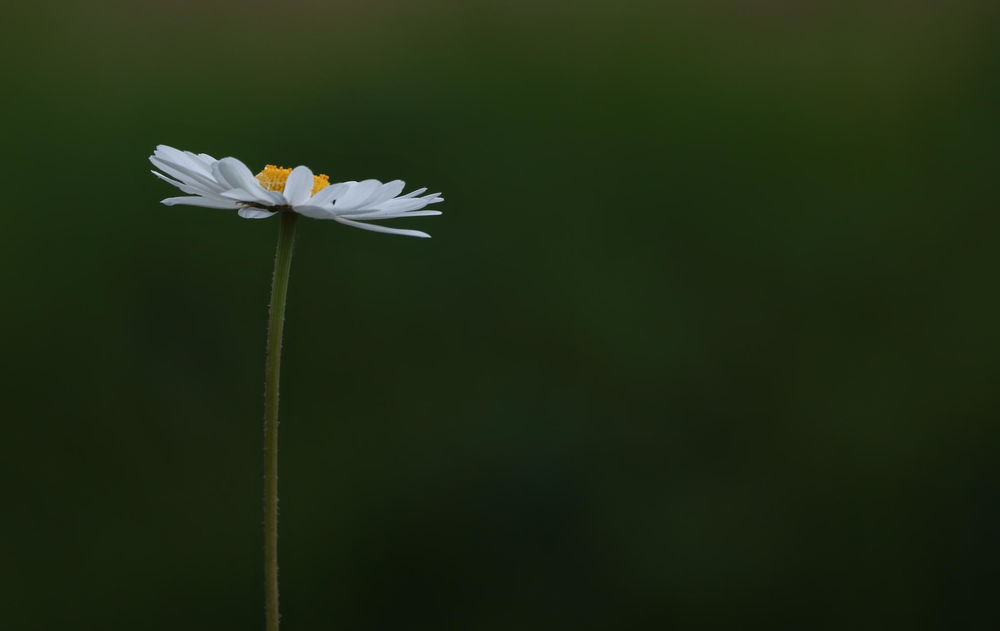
(706, 338)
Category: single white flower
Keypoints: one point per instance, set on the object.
(229, 184)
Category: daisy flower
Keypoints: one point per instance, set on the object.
(229, 184)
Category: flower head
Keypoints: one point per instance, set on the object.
(230, 185)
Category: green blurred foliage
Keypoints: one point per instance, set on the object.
(706, 338)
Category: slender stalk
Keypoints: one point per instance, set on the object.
(275, 327)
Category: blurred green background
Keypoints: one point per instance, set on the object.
(706, 338)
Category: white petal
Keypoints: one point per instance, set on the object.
(387, 214)
(184, 159)
(188, 166)
(239, 195)
(255, 213)
(420, 213)
(377, 228)
(315, 212)
(197, 200)
(355, 198)
(167, 179)
(401, 205)
(237, 175)
(197, 162)
(330, 193)
(192, 189)
(169, 170)
(298, 186)
(386, 192)
(185, 174)
(413, 193)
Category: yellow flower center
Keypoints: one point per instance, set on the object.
(273, 178)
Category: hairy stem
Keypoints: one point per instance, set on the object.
(275, 328)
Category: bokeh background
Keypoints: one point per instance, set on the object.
(706, 339)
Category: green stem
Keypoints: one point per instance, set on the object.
(275, 326)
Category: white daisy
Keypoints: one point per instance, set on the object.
(229, 184)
